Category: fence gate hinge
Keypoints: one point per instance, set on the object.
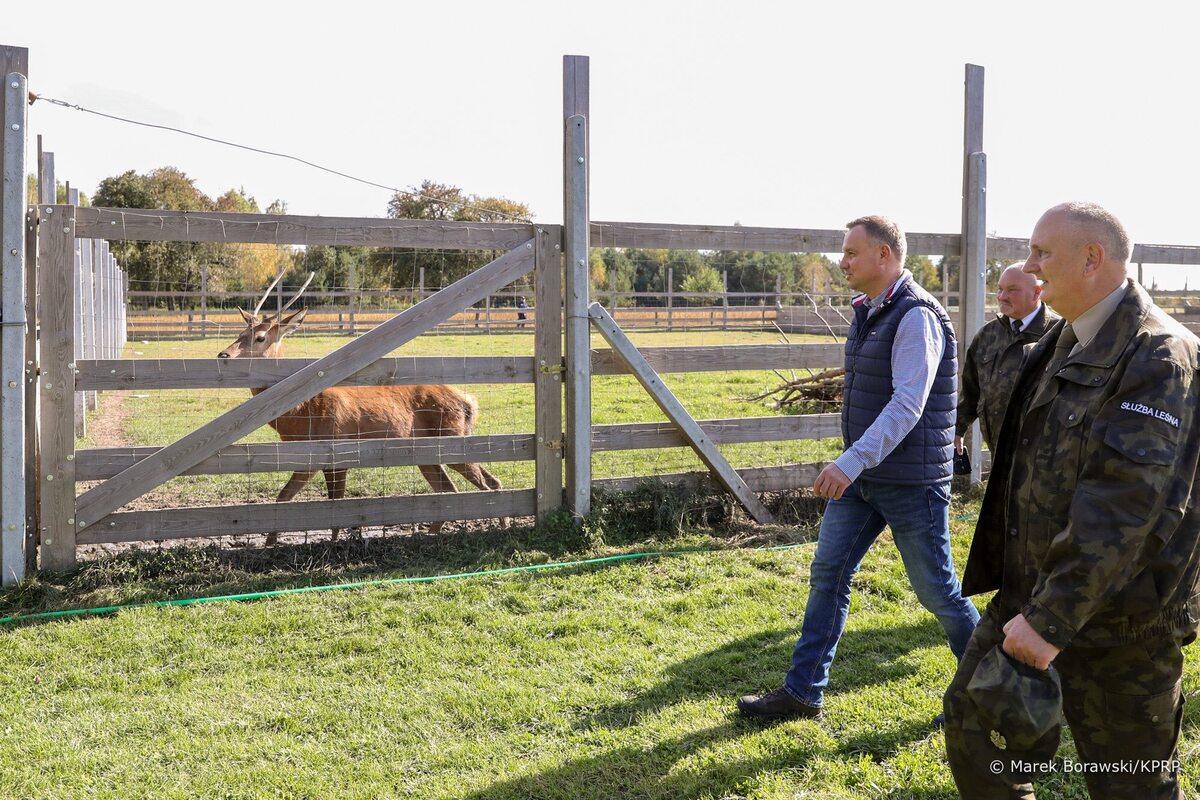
(551, 369)
(555, 444)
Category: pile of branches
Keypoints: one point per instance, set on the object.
(815, 394)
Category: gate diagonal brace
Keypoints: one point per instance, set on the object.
(670, 405)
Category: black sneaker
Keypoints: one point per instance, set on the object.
(939, 721)
(776, 705)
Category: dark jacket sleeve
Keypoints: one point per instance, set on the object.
(968, 392)
(1126, 506)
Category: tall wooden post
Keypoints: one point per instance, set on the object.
(56, 243)
(670, 296)
(973, 272)
(14, 69)
(575, 245)
(204, 301)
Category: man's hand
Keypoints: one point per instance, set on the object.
(958, 445)
(831, 483)
(1024, 644)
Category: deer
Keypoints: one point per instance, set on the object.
(359, 412)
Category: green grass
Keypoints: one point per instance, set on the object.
(602, 682)
(160, 417)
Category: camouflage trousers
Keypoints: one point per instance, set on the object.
(1124, 706)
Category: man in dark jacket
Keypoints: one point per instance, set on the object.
(1089, 528)
(994, 358)
(898, 431)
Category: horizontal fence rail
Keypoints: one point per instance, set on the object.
(149, 225)
(213, 373)
(102, 463)
(187, 523)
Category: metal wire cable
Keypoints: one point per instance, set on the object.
(33, 97)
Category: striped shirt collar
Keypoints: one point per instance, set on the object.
(876, 302)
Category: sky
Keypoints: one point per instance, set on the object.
(797, 114)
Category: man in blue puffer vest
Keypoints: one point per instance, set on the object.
(898, 411)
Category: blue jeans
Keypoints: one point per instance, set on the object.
(919, 517)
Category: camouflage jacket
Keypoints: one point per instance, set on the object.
(990, 372)
(1089, 526)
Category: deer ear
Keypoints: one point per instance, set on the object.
(293, 320)
(250, 318)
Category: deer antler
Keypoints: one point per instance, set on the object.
(296, 297)
(266, 294)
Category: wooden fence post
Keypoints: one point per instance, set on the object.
(352, 288)
(87, 304)
(56, 243)
(725, 299)
(77, 266)
(548, 383)
(14, 454)
(973, 272)
(204, 301)
(670, 287)
(576, 248)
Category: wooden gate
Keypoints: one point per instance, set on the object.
(66, 520)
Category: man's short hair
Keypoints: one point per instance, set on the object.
(882, 231)
(1102, 224)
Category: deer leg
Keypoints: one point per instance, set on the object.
(479, 476)
(439, 481)
(290, 490)
(335, 486)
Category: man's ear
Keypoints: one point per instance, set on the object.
(1093, 253)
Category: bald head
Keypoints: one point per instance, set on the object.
(1080, 252)
(1019, 293)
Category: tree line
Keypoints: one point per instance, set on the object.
(176, 266)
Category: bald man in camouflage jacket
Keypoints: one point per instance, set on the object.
(993, 360)
(1089, 528)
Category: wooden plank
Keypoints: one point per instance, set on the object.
(1165, 254)
(102, 463)
(548, 386)
(153, 225)
(88, 303)
(56, 252)
(654, 435)
(205, 373)
(725, 358)
(257, 373)
(187, 523)
(657, 235)
(675, 411)
(759, 479)
(318, 376)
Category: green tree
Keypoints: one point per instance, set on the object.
(401, 267)
(704, 279)
(925, 272)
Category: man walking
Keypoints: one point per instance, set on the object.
(1089, 527)
(898, 430)
(994, 357)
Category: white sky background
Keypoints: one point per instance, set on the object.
(776, 114)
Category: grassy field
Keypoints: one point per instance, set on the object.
(605, 681)
(159, 417)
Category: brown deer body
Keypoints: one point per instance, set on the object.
(362, 412)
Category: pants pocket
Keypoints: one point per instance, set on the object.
(1143, 727)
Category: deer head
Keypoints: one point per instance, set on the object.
(263, 335)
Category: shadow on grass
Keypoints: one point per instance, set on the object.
(757, 663)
